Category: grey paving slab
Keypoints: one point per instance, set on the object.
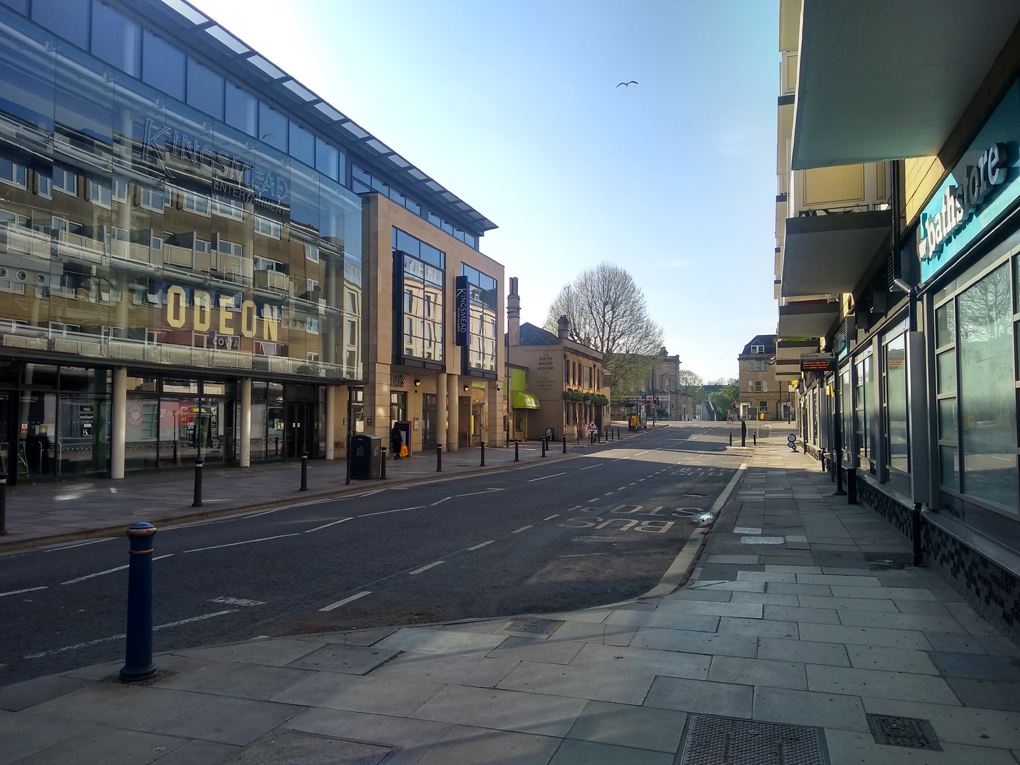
(852, 748)
(644, 660)
(696, 642)
(183, 673)
(596, 616)
(973, 623)
(283, 747)
(122, 706)
(22, 695)
(917, 622)
(751, 560)
(413, 737)
(891, 659)
(693, 593)
(776, 674)
(199, 753)
(359, 694)
(629, 726)
(850, 604)
(548, 715)
(275, 653)
(781, 569)
(829, 579)
(526, 649)
(599, 683)
(765, 576)
(246, 681)
(783, 588)
(848, 571)
(806, 651)
(822, 710)
(733, 586)
(884, 593)
(724, 699)
(923, 607)
(606, 634)
(957, 724)
(481, 746)
(349, 659)
(701, 608)
(109, 746)
(230, 721)
(439, 641)
(666, 619)
(449, 670)
(766, 598)
(797, 614)
(956, 642)
(590, 753)
(987, 694)
(833, 633)
(757, 628)
(24, 734)
(881, 684)
(975, 667)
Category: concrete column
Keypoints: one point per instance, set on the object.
(453, 412)
(441, 407)
(118, 417)
(245, 451)
(330, 421)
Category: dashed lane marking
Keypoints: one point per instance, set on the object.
(476, 493)
(532, 480)
(79, 544)
(483, 544)
(589, 467)
(398, 510)
(108, 571)
(425, 568)
(345, 601)
(19, 592)
(440, 501)
(522, 528)
(326, 525)
(555, 515)
(236, 544)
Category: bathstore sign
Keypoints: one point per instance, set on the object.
(982, 187)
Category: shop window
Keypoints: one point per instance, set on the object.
(864, 414)
(945, 391)
(163, 65)
(895, 374)
(205, 89)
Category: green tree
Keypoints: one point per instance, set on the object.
(723, 399)
(690, 384)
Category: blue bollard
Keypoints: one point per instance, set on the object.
(138, 654)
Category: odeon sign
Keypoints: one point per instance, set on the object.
(209, 311)
(959, 203)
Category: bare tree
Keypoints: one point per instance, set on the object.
(607, 312)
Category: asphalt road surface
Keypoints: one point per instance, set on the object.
(599, 528)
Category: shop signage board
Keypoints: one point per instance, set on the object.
(981, 187)
(817, 362)
(460, 305)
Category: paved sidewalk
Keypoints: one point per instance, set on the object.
(47, 513)
(800, 612)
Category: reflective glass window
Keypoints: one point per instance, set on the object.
(116, 39)
(21, 6)
(84, 98)
(241, 109)
(205, 89)
(67, 18)
(273, 127)
(27, 71)
(326, 159)
(163, 65)
(302, 145)
(896, 402)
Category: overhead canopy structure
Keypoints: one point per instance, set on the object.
(522, 400)
(828, 254)
(889, 80)
(813, 319)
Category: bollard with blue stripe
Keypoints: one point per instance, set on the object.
(138, 653)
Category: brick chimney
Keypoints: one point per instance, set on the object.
(563, 327)
(513, 314)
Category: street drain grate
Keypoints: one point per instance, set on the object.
(903, 731)
(531, 626)
(593, 538)
(723, 741)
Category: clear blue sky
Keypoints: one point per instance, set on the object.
(513, 106)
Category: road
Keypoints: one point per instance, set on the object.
(598, 528)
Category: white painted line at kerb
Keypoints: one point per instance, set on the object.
(326, 525)
(483, 544)
(345, 601)
(108, 571)
(246, 542)
(425, 568)
(532, 480)
(18, 592)
(79, 544)
(522, 528)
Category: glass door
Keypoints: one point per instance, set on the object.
(428, 417)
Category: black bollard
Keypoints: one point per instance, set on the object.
(483, 454)
(564, 444)
(304, 471)
(755, 436)
(382, 465)
(543, 447)
(517, 452)
(439, 459)
(743, 433)
(851, 486)
(198, 484)
(3, 503)
(348, 460)
(138, 652)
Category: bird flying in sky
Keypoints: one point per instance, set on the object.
(628, 84)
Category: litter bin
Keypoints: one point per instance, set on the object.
(366, 457)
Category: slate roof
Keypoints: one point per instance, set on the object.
(769, 341)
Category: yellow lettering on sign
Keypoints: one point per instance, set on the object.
(203, 311)
(248, 318)
(225, 328)
(175, 307)
(270, 323)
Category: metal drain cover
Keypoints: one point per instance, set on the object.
(593, 538)
(531, 626)
(903, 731)
(725, 741)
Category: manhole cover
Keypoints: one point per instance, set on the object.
(593, 538)
(725, 741)
(531, 626)
(903, 731)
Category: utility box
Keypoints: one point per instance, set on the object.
(366, 457)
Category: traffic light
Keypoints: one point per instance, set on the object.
(655, 399)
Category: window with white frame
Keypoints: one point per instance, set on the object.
(228, 207)
(44, 185)
(230, 248)
(120, 190)
(100, 193)
(312, 252)
(65, 181)
(763, 406)
(194, 202)
(757, 349)
(312, 325)
(267, 227)
(13, 173)
(312, 285)
(151, 199)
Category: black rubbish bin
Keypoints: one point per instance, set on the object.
(366, 457)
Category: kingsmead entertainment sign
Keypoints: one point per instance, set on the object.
(982, 186)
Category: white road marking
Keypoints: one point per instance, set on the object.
(595, 500)
(522, 528)
(476, 493)
(345, 601)
(18, 592)
(80, 544)
(243, 602)
(483, 544)
(556, 515)
(235, 544)
(108, 571)
(370, 493)
(387, 512)
(589, 467)
(440, 501)
(326, 525)
(264, 512)
(532, 480)
(425, 568)
(122, 636)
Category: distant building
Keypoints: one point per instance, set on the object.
(760, 394)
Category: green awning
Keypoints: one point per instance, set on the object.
(521, 400)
